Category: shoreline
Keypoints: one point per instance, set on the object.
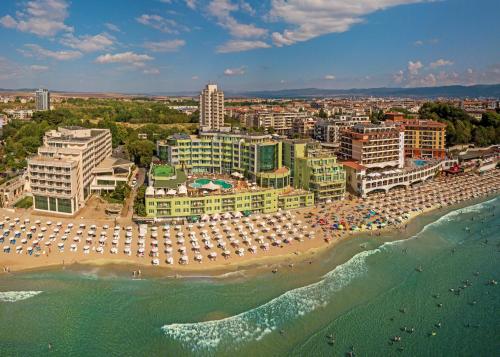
(256, 264)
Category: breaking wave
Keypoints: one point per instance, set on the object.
(13, 296)
(254, 324)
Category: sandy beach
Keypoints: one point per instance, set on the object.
(31, 241)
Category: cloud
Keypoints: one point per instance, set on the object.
(112, 27)
(9, 69)
(165, 46)
(195, 78)
(87, 43)
(38, 51)
(151, 71)
(241, 45)
(330, 77)
(159, 23)
(399, 76)
(38, 68)
(313, 18)
(427, 81)
(440, 63)
(431, 41)
(41, 17)
(246, 7)
(230, 72)
(134, 59)
(191, 4)
(414, 67)
(221, 10)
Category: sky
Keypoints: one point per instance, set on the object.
(150, 46)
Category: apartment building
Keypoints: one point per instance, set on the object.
(211, 108)
(21, 114)
(42, 99)
(329, 130)
(374, 146)
(303, 127)
(281, 122)
(60, 175)
(424, 139)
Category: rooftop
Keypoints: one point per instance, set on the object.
(163, 171)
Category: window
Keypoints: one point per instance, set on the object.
(52, 202)
(41, 203)
(64, 205)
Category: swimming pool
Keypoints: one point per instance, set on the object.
(198, 183)
(420, 162)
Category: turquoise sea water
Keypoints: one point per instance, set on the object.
(363, 292)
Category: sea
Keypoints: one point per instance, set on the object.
(428, 290)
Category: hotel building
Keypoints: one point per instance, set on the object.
(375, 146)
(256, 156)
(60, 175)
(424, 139)
(211, 108)
(273, 175)
(374, 158)
(314, 169)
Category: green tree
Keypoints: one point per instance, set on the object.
(377, 116)
(141, 152)
(139, 202)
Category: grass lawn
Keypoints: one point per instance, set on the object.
(26, 202)
(164, 170)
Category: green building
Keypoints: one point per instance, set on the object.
(289, 174)
(265, 200)
(314, 169)
(256, 156)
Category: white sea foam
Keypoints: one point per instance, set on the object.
(13, 296)
(445, 219)
(469, 209)
(254, 324)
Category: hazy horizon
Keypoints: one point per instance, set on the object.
(247, 45)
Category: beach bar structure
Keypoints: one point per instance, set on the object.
(362, 181)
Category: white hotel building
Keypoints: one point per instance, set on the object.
(61, 174)
(374, 159)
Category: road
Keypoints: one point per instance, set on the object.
(128, 207)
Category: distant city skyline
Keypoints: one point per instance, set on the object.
(245, 45)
